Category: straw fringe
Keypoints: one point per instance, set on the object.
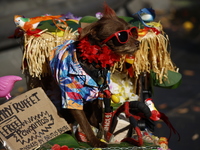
(37, 51)
(153, 55)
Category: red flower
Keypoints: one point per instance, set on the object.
(58, 147)
(107, 57)
(94, 53)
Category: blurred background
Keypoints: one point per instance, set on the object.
(180, 20)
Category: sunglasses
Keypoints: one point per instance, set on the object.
(122, 36)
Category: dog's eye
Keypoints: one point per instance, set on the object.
(122, 36)
(116, 42)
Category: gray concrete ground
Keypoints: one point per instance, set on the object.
(181, 105)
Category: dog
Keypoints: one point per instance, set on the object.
(99, 46)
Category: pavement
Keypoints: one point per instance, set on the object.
(181, 105)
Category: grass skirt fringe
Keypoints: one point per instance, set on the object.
(153, 55)
(37, 50)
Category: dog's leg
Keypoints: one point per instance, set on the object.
(93, 111)
(81, 119)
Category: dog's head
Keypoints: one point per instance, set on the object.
(113, 31)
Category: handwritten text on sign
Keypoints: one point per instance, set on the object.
(30, 120)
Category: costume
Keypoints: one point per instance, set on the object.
(151, 62)
(76, 85)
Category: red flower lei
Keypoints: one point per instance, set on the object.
(94, 53)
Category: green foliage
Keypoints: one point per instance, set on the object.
(49, 24)
(88, 19)
(172, 82)
(70, 141)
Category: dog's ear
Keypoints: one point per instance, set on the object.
(88, 30)
(108, 12)
(91, 29)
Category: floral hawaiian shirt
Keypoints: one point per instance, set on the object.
(76, 85)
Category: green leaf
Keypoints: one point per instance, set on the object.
(84, 145)
(73, 25)
(127, 19)
(49, 24)
(133, 21)
(70, 141)
(88, 19)
(115, 105)
(173, 80)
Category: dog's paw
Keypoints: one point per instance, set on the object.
(98, 143)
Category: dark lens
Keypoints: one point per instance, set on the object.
(134, 32)
(116, 42)
(123, 36)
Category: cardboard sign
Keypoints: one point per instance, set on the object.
(30, 120)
